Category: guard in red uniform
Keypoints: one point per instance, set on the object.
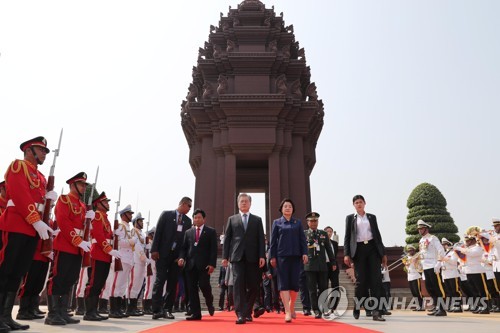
(100, 254)
(70, 215)
(3, 202)
(21, 224)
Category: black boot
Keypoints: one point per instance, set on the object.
(3, 327)
(53, 317)
(147, 306)
(121, 306)
(132, 308)
(6, 316)
(103, 306)
(113, 309)
(24, 312)
(63, 310)
(35, 301)
(91, 309)
(80, 306)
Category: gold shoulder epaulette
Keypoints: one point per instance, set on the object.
(64, 198)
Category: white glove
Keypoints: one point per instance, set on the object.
(85, 246)
(57, 231)
(143, 258)
(90, 214)
(437, 268)
(51, 256)
(115, 254)
(51, 195)
(42, 229)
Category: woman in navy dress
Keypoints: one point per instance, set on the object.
(288, 254)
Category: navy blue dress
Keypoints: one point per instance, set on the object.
(288, 245)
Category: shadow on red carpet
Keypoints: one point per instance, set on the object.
(269, 323)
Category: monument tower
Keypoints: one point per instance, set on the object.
(252, 116)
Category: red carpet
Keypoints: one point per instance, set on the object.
(223, 322)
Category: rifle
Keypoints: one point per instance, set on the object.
(46, 249)
(118, 262)
(86, 233)
(149, 270)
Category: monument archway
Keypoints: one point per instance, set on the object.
(252, 116)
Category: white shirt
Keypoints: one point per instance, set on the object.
(124, 239)
(431, 251)
(449, 266)
(364, 231)
(495, 251)
(474, 255)
(413, 267)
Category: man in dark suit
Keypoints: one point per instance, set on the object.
(199, 256)
(333, 275)
(244, 247)
(165, 250)
(365, 251)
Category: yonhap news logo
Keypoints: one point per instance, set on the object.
(333, 302)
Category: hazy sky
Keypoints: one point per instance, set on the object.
(411, 92)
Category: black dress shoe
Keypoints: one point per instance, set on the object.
(168, 315)
(156, 315)
(440, 313)
(369, 313)
(189, 313)
(377, 317)
(241, 320)
(220, 309)
(211, 310)
(386, 313)
(194, 317)
(248, 318)
(355, 313)
(258, 312)
(317, 315)
(307, 312)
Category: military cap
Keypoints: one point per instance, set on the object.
(410, 247)
(445, 241)
(152, 231)
(495, 220)
(79, 177)
(2, 184)
(127, 209)
(312, 216)
(137, 217)
(422, 224)
(100, 198)
(39, 141)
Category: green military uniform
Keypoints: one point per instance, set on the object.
(318, 247)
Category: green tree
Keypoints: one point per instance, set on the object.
(427, 203)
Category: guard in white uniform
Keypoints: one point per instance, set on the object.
(126, 246)
(449, 273)
(413, 268)
(431, 252)
(138, 273)
(150, 277)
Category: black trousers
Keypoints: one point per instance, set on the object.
(16, 255)
(452, 288)
(199, 278)
(246, 277)
(99, 271)
(416, 291)
(65, 271)
(367, 268)
(222, 296)
(317, 282)
(479, 289)
(167, 270)
(304, 291)
(268, 292)
(34, 281)
(276, 293)
(434, 286)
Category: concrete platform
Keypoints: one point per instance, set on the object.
(399, 321)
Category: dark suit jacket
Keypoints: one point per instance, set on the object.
(350, 243)
(335, 245)
(166, 230)
(203, 254)
(244, 245)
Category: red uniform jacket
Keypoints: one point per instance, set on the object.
(70, 217)
(25, 187)
(3, 205)
(101, 237)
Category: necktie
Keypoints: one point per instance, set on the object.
(245, 221)
(179, 219)
(197, 234)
